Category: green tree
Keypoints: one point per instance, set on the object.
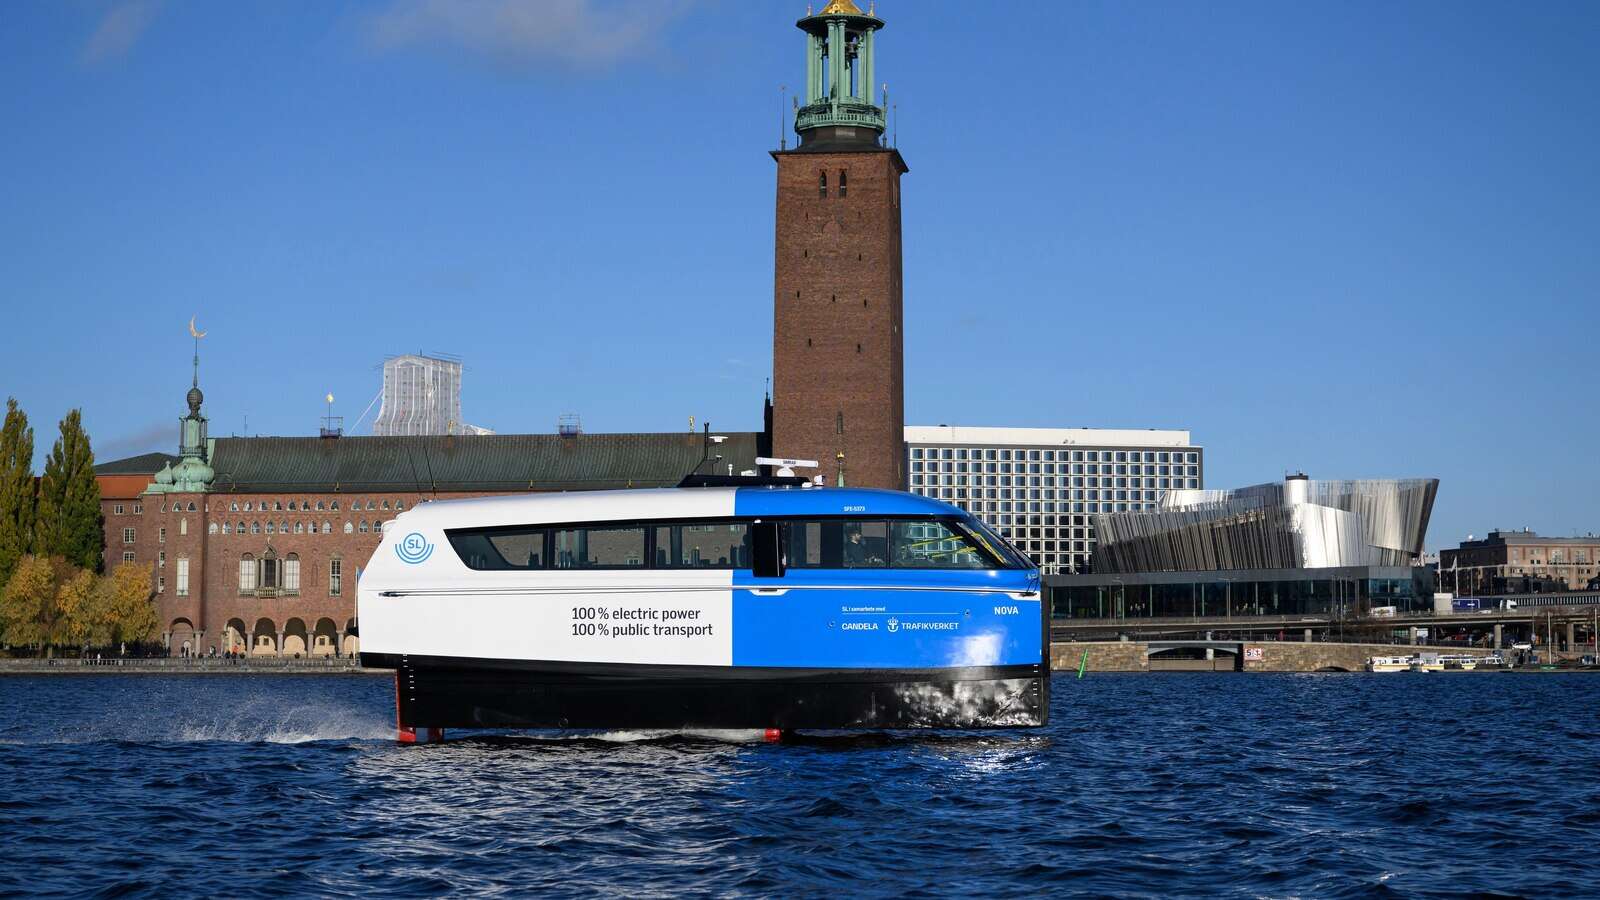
(129, 604)
(69, 523)
(30, 603)
(17, 495)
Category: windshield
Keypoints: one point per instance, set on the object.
(1001, 548)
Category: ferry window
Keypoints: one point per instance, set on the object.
(711, 545)
(802, 545)
(836, 544)
(599, 548)
(503, 549)
(932, 545)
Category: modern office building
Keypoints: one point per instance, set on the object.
(1518, 562)
(1283, 548)
(421, 395)
(1040, 486)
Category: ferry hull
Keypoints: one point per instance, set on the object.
(442, 692)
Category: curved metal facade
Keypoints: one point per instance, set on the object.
(1295, 524)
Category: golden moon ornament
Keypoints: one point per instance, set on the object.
(195, 334)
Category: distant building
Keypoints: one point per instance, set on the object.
(1283, 548)
(1040, 486)
(421, 395)
(1519, 562)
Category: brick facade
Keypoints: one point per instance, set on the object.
(838, 336)
(167, 531)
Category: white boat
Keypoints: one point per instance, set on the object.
(738, 607)
(1427, 662)
(1388, 664)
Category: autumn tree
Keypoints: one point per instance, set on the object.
(68, 522)
(129, 604)
(30, 605)
(16, 490)
(84, 616)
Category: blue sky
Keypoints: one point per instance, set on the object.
(1353, 238)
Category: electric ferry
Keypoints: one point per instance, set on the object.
(755, 607)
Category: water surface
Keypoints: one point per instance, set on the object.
(1143, 785)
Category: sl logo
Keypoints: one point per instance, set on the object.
(413, 548)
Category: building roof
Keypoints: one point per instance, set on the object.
(143, 464)
(499, 462)
(1526, 537)
(1046, 437)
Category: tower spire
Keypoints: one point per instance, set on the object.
(839, 110)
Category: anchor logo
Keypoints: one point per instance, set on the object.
(413, 549)
(894, 624)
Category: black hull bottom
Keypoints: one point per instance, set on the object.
(438, 692)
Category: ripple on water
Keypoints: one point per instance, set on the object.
(1144, 786)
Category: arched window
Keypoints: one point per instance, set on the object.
(192, 506)
(283, 527)
(364, 528)
(255, 527)
(248, 506)
(271, 528)
(299, 528)
(277, 506)
(372, 504)
(844, 185)
(334, 506)
(242, 528)
(348, 528)
(212, 528)
(233, 506)
(183, 526)
(822, 185)
(247, 573)
(399, 505)
(291, 506)
(321, 505)
(385, 504)
(327, 527)
(291, 574)
(270, 570)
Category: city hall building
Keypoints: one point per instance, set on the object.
(1041, 487)
(256, 543)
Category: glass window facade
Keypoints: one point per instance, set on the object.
(1040, 497)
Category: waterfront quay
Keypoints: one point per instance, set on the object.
(174, 665)
(1569, 629)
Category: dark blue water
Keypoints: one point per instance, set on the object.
(1152, 785)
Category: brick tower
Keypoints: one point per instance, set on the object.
(837, 359)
